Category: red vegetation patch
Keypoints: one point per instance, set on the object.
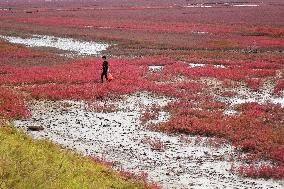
(11, 54)
(262, 171)
(163, 24)
(80, 80)
(154, 143)
(11, 105)
(229, 93)
(142, 177)
(254, 83)
(96, 107)
(258, 129)
(9, 51)
(279, 86)
(124, 25)
(150, 113)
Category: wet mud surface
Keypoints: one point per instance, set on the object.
(172, 161)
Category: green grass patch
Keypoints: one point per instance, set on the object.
(27, 164)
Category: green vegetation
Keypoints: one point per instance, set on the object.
(27, 164)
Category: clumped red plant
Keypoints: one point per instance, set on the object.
(216, 142)
(229, 93)
(19, 55)
(100, 107)
(9, 51)
(262, 171)
(102, 161)
(12, 105)
(230, 84)
(150, 113)
(155, 143)
(279, 87)
(254, 83)
(142, 177)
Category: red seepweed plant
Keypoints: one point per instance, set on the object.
(257, 129)
(155, 143)
(262, 171)
(11, 105)
(279, 87)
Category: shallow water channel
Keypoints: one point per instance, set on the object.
(75, 47)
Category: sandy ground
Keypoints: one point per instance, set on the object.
(174, 162)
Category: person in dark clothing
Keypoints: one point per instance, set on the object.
(104, 69)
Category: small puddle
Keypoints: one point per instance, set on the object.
(77, 47)
(200, 32)
(155, 68)
(245, 5)
(198, 6)
(215, 5)
(193, 65)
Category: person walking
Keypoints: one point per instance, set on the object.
(104, 69)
